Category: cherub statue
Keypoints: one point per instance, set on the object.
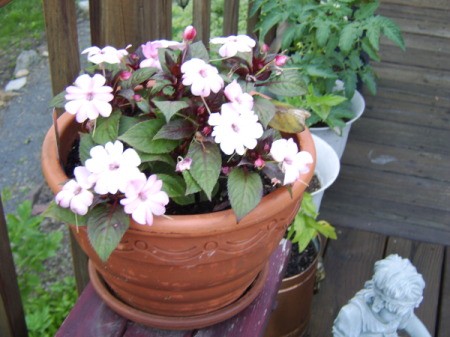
(386, 304)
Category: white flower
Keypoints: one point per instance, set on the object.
(144, 198)
(111, 167)
(108, 54)
(292, 162)
(235, 130)
(202, 77)
(89, 98)
(235, 95)
(233, 44)
(150, 51)
(75, 194)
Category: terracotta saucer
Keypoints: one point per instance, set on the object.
(176, 323)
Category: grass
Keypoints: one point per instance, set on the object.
(22, 24)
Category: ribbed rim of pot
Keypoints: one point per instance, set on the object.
(357, 100)
(216, 221)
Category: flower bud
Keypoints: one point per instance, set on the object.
(207, 130)
(137, 98)
(125, 75)
(189, 33)
(265, 48)
(259, 163)
(280, 60)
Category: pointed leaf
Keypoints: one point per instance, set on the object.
(170, 108)
(142, 75)
(162, 157)
(140, 136)
(191, 185)
(322, 33)
(206, 165)
(198, 50)
(176, 129)
(86, 144)
(245, 190)
(58, 101)
(264, 108)
(290, 83)
(392, 32)
(106, 227)
(349, 35)
(107, 129)
(64, 215)
(173, 185)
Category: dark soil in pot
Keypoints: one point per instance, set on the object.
(300, 261)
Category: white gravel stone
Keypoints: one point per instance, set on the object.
(16, 84)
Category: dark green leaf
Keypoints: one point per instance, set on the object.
(245, 191)
(366, 10)
(176, 129)
(141, 75)
(184, 200)
(392, 32)
(148, 157)
(322, 33)
(173, 185)
(143, 105)
(107, 129)
(349, 35)
(140, 136)
(373, 34)
(264, 108)
(368, 79)
(206, 165)
(170, 108)
(198, 50)
(86, 144)
(191, 185)
(106, 227)
(126, 122)
(290, 83)
(58, 101)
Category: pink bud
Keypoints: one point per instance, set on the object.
(264, 48)
(189, 33)
(226, 170)
(259, 163)
(207, 130)
(125, 75)
(280, 60)
(137, 98)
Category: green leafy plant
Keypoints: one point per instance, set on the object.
(306, 227)
(329, 40)
(46, 305)
(175, 125)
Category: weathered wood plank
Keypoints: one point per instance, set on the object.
(401, 108)
(201, 18)
(348, 264)
(92, 318)
(251, 20)
(137, 330)
(362, 211)
(428, 259)
(111, 24)
(12, 318)
(230, 17)
(62, 39)
(436, 4)
(372, 156)
(413, 13)
(412, 137)
(444, 312)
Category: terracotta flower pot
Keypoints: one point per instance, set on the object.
(294, 300)
(186, 265)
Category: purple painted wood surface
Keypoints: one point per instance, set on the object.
(92, 318)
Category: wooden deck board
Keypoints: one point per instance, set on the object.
(444, 307)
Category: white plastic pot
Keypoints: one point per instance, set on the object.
(327, 168)
(338, 142)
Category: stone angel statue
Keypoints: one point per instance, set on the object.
(385, 304)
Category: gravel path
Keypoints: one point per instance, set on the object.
(24, 120)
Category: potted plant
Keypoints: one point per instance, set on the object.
(178, 178)
(330, 41)
(293, 309)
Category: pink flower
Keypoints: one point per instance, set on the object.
(111, 167)
(108, 54)
(89, 98)
(150, 51)
(202, 77)
(183, 164)
(235, 130)
(75, 194)
(259, 163)
(144, 198)
(232, 44)
(235, 95)
(292, 162)
(189, 33)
